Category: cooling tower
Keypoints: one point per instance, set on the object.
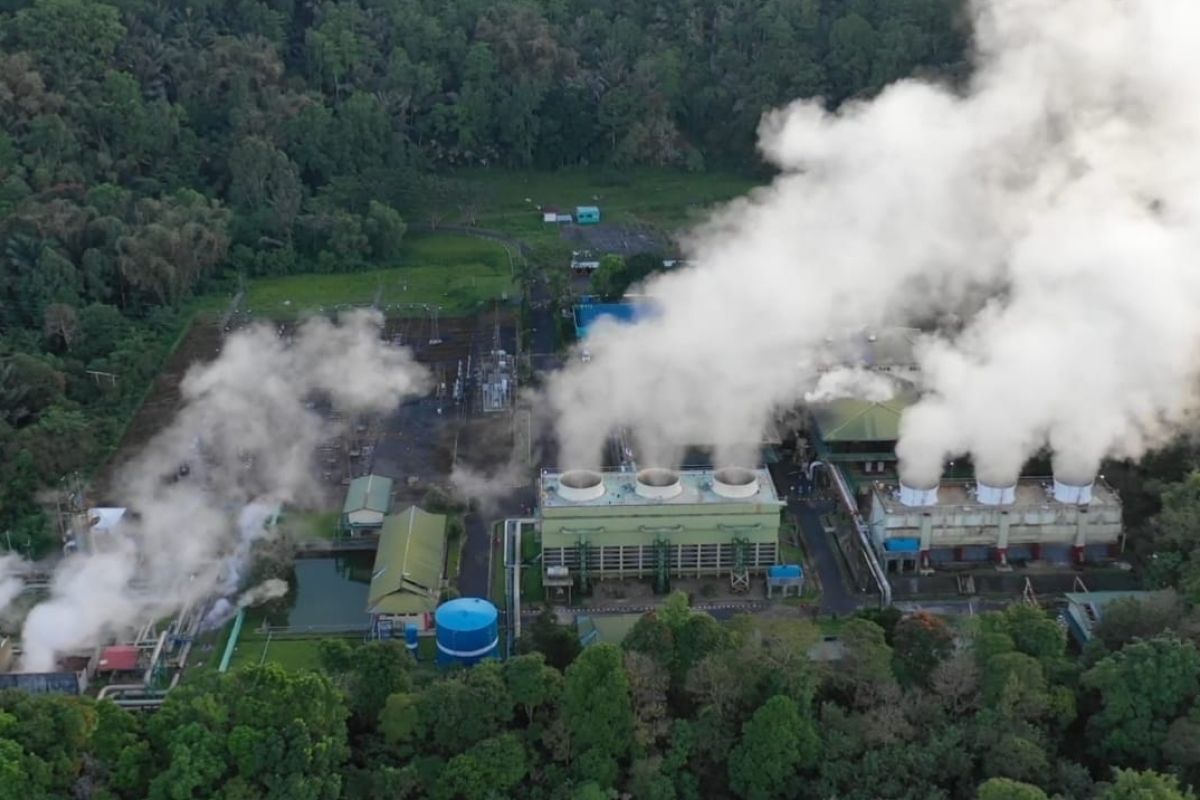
(656, 483)
(990, 494)
(917, 496)
(1072, 490)
(580, 485)
(735, 482)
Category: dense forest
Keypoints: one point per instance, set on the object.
(152, 150)
(686, 709)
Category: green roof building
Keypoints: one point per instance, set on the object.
(658, 523)
(407, 577)
(859, 436)
(368, 500)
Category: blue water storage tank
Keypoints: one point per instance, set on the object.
(467, 631)
(410, 638)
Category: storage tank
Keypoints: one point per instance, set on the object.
(580, 485)
(656, 483)
(467, 631)
(411, 641)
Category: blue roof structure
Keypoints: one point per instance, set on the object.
(41, 682)
(588, 314)
(465, 614)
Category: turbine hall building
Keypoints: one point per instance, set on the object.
(658, 523)
(1035, 519)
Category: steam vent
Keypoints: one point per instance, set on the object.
(658, 523)
(1035, 519)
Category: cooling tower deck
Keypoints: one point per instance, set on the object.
(1028, 493)
(689, 487)
(963, 526)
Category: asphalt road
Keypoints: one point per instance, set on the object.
(473, 570)
(837, 597)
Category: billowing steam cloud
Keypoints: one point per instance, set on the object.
(247, 437)
(1052, 203)
(11, 582)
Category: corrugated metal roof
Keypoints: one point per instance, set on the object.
(370, 493)
(853, 420)
(408, 563)
(121, 657)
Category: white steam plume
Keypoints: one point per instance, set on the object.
(851, 382)
(1053, 202)
(248, 438)
(11, 582)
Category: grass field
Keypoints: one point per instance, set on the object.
(660, 198)
(531, 568)
(292, 654)
(311, 524)
(462, 274)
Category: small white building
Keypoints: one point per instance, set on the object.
(368, 501)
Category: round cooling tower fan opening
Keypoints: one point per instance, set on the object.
(924, 495)
(995, 494)
(578, 485)
(735, 482)
(658, 483)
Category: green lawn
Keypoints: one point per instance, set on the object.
(310, 524)
(462, 274)
(293, 654)
(661, 198)
(531, 568)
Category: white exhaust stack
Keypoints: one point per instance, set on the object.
(990, 494)
(656, 483)
(735, 482)
(1075, 492)
(917, 496)
(580, 485)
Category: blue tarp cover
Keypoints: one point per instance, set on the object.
(785, 571)
(587, 315)
(902, 545)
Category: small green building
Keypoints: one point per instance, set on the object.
(368, 501)
(587, 215)
(658, 522)
(407, 577)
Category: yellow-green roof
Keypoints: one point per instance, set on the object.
(853, 420)
(408, 563)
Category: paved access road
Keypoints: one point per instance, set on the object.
(837, 596)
